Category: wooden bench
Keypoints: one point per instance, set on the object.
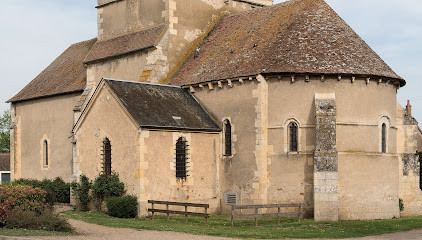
(185, 213)
(279, 214)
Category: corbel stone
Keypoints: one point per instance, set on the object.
(210, 87)
(322, 78)
(353, 79)
(339, 77)
(293, 78)
(230, 83)
(367, 80)
(191, 89)
(220, 85)
(307, 78)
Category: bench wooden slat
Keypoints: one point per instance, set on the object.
(266, 206)
(179, 204)
(294, 214)
(179, 212)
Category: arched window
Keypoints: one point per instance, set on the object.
(45, 153)
(227, 138)
(181, 159)
(293, 133)
(106, 157)
(384, 138)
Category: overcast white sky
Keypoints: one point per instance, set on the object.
(34, 33)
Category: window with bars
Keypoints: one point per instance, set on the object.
(227, 138)
(45, 151)
(181, 159)
(293, 137)
(384, 138)
(106, 157)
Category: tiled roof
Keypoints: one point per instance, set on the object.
(4, 161)
(126, 44)
(298, 36)
(162, 106)
(64, 75)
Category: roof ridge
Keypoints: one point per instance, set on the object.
(144, 83)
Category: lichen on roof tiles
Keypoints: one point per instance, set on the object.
(162, 106)
(126, 44)
(298, 36)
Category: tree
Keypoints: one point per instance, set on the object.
(5, 132)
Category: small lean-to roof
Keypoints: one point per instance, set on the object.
(162, 106)
(298, 36)
(66, 74)
(126, 44)
(4, 161)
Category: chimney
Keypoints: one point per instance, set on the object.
(409, 108)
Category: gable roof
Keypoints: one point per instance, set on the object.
(126, 44)
(157, 106)
(66, 74)
(162, 106)
(4, 161)
(298, 36)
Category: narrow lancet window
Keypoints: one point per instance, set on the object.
(181, 159)
(384, 138)
(293, 137)
(45, 153)
(106, 157)
(227, 138)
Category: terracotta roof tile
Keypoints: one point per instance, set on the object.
(298, 36)
(4, 161)
(64, 75)
(126, 44)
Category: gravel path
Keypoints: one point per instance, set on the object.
(88, 231)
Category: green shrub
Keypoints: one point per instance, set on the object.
(81, 192)
(57, 190)
(45, 220)
(24, 198)
(401, 205)
(105, 187)
(122, 207)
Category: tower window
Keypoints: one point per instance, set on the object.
(293, 137)
(181, 159)
(227, 138)
(384, 138)
(106, 157)
(45, 151)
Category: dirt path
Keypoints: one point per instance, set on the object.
(89, 231)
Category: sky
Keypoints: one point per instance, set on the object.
(34, 33)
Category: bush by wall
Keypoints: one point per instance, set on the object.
(24, 198)
(57, 189)
(81, 192)
(105, 187)
(46, 220)
(122, 207)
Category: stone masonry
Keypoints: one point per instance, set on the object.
(325, 159)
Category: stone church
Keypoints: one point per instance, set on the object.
(225, 102)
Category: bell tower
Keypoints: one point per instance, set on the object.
(120, 17)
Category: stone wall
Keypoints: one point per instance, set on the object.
(34, 121)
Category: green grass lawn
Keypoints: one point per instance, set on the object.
(25, 232)
(267, 229)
